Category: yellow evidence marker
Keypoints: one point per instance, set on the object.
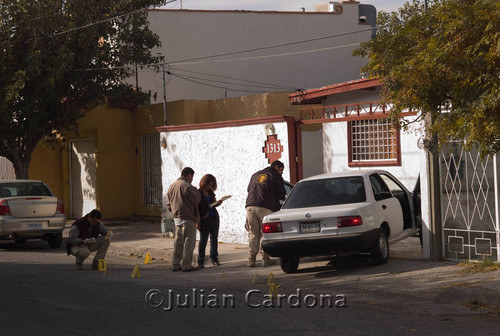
(273, 289)
(255, 276)
(148, 259)
(270, 279)
(136, 273)
(101, 266)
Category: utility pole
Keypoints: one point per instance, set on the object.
(434, 188)
(164, 96)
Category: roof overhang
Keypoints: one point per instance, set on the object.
(315, 96)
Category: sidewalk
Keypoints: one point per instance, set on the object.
(406, 274)
(139, 237)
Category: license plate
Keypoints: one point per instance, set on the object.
(310, 227)
(34, 225)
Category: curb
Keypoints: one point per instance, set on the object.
(125, 249)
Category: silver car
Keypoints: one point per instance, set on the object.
(29, 210)
(339, 213)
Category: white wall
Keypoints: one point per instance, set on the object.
(335, 153)
(6, 169)
(312, 152)
(232, 155)
(191, 34)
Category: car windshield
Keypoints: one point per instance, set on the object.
(332, 191)
(23, 189)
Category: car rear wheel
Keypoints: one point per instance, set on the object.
(55, 240)
(289, 264)
(380, 250)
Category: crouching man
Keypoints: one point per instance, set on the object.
(87, 235)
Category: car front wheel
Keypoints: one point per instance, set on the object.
(55, 240)
(380, 250)
(289, 264)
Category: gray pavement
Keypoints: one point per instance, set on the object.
(407, 276)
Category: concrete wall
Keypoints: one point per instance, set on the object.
(188, 34)
(232, 154)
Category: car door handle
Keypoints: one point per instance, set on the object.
(384, 206)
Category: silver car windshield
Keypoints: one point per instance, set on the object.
(333, 191)
(23, 189)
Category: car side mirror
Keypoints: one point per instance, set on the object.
(378, 197)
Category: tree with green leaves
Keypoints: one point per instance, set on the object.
(59, 59)
(444, 62)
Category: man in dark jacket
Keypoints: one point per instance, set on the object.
(86, 235)
(265, 190)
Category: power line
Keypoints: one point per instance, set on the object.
(277, 45)
(238, 79)
(226, 60)
(215, 86)
(231, 83)
(265, 56)
(107, 20)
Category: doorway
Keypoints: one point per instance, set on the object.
(83, 176)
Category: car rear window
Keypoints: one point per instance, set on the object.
(333, 191)
(24, 189)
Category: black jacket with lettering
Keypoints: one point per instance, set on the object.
(266, 189)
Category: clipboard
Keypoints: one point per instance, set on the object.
(222, 199)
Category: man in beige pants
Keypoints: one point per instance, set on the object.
(183, 200)
(265, 190)
(87, 235)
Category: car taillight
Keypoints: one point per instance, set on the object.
(272, 227)
(349, 221)
(4, 208)
(60, 207)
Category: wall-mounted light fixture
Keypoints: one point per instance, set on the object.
(270, 129)
(164, 143)
(425, 143)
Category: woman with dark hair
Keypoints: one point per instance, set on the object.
(209, 223)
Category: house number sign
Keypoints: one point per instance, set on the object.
(272, 148)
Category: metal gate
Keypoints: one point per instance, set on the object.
(469, 203)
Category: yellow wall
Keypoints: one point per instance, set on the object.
(118, 137)
(111, 128)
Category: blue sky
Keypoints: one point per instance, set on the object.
(277, 5)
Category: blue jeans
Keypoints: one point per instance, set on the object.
(209, 227)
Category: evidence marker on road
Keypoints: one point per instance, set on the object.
(136, 272)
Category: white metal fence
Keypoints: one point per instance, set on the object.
(6, 169)
(469, 203)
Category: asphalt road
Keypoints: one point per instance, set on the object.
(43, 293)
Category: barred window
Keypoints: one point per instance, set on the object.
(373, 142)
(151, 170)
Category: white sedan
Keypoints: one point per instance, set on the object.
(336, 213)
(29, 210)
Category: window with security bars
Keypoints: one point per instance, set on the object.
(373, 142)
(151, 170)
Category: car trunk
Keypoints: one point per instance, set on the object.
(32, 206)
